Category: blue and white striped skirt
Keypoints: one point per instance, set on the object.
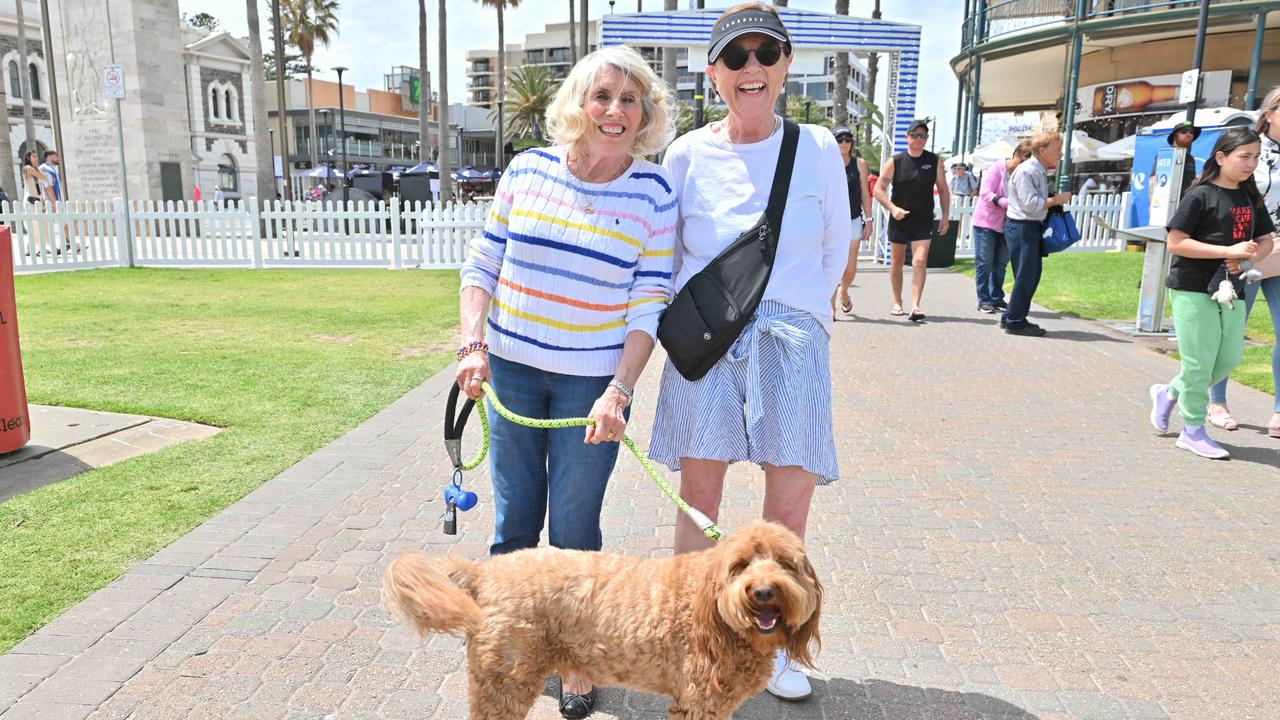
(767, 401)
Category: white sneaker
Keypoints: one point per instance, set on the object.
(787, 682)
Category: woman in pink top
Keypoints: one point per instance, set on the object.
(991, 255)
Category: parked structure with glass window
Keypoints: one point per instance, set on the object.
(381, 127)
(1119, 61)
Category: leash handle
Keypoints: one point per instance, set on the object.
(455, 422)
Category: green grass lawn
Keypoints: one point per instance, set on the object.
(284, 360)
(1104, 286)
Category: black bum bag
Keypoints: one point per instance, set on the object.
(710, 311)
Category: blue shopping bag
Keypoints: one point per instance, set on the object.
(1060, 231)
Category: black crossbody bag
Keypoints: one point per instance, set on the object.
(710, 311)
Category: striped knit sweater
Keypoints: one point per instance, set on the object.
(566, 285)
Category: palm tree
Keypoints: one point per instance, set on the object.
(528, 95)
(841, 99)
(24, 80)
(780, 106)
(424, 92)
(443, 161)
(7, 157)
(873, 67)
(573, 40)
(308, 23)
(500, 6)
(258, 96)
(670, 74)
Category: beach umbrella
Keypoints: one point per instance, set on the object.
(324, 172)
(1121, 149)
(1084, 148)
(422, 168)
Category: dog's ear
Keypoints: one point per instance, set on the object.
(804, 642)
(711, 635)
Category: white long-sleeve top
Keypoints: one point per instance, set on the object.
(723, 189)
(567, 285)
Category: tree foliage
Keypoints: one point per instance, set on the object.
(201, 20)
(294, 65)
(530, 90)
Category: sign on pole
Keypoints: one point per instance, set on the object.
(1188, 89)
(113, 82)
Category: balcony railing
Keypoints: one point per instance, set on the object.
(1006, 17)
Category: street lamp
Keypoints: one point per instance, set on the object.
(272, 133)
(342, 122)
(326, 123)
(808, 104)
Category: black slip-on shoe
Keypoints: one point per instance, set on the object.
(577, 706)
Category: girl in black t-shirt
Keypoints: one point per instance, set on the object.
(1221, 221)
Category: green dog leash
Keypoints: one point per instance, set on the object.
(704, 523)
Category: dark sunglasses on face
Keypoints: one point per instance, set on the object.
(844, 139)
(735, 57)
(918, 135)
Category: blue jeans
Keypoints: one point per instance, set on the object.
(991, 255)
(1024, 238)
(546, 474)
(1271, 290)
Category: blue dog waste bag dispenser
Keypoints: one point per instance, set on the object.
(455, 498)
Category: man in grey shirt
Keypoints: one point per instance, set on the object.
(1029, 203)
(963, 182)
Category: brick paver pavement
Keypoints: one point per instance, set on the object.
(1009, 540)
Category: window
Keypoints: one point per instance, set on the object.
(228, 177)
(215, 107)
(534, 57)
(559, 55)
(35, 81)
(230, 113)
(15, 80)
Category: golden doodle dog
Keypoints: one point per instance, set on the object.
(701, 628)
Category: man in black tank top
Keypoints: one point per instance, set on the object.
(913, 174)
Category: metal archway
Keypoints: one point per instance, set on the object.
(809, 31)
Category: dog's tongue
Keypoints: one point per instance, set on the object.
(766, 616)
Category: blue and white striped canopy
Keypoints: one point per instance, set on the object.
(809, 30)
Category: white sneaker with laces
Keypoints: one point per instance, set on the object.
(788, 683)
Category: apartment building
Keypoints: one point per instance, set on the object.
(550, 48)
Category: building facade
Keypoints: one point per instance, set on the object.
(381, 127)
(550, 48)
(1020, 56)
(220, 109)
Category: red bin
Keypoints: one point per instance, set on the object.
(15, 421)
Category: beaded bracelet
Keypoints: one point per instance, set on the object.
(473, 346)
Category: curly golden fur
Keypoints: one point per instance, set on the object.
(701, 628)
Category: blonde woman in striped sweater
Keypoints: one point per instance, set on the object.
(566, 286)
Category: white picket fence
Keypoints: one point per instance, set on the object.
(77, 235)
(1089, 211)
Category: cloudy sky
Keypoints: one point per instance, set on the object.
(378, 34)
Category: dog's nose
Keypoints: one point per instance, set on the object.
(763, 593)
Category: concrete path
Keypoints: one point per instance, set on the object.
(1009, 539)
(68, 441)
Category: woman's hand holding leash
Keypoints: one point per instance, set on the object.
(473, 369)
(610, 424)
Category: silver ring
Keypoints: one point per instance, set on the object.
(476, 379)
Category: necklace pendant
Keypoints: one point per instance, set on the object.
(589, 210)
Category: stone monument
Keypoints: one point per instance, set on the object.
(145, 36)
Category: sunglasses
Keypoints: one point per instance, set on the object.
(768, 54)
(918, 136)
(843, 139)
